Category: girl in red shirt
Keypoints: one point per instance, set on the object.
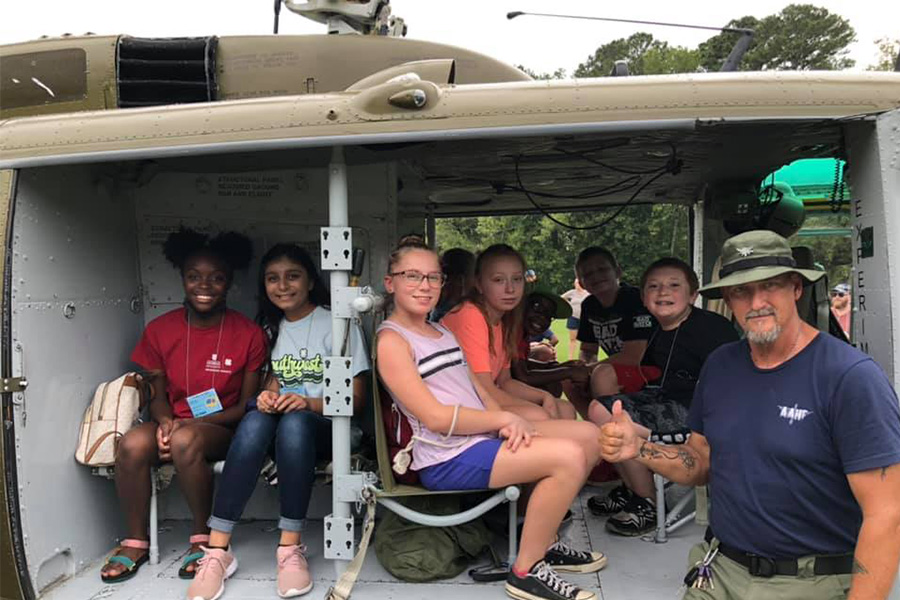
(203, 360)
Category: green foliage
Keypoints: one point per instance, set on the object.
(557, 74)
(800, 37)
(645, 56)
(833, 252)
(638, 236)
(887, 54)
(716, 49)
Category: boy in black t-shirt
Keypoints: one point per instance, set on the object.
(613, 318)
(682, 338)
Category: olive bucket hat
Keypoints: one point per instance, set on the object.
(754, 256)
(562, 308)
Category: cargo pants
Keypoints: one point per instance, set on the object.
(732, 581)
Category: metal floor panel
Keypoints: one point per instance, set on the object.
(637, 570)
(255, 541)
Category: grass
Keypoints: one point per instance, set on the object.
(562, 349)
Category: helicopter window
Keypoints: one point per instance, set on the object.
(40, 78)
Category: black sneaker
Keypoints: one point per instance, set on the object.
(616, 500)
(638, 518)
(569, 560)
(543, 583)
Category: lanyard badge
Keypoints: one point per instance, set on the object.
(204, 403)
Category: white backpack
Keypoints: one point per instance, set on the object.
(115, 408)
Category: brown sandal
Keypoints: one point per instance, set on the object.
(193, 557)
(131, 566)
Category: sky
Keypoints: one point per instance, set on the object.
(540, 44)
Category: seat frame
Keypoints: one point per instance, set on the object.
(390, 490)
(669, 521)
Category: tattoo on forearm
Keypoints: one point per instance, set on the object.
(653, 451)
(859, 568)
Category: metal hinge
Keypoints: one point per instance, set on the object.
(13, 384)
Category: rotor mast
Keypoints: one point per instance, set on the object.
(360, 17)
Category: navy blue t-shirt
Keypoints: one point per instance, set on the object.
(783, 440)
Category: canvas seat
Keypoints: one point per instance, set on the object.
(390, 490)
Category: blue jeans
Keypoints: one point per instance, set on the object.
(295, 440)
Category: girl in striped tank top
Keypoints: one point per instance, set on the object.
(464, 440)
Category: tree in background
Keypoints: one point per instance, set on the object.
(834, 252)
(645, 55)
(557, 74)
(800, 37)
(887, 54)
(639, 235)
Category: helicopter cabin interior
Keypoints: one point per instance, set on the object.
(86, 274)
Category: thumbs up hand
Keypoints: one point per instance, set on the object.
(618, 439)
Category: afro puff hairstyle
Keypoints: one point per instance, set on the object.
(232, 248)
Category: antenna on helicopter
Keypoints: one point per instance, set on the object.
(731, 63)
(277, 14)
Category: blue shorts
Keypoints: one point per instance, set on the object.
(573, 323)
(470, 470)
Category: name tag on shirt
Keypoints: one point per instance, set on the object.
(204, 403)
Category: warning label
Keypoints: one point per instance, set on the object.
(248, 186)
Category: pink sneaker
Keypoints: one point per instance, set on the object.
(293, 571)
(213, 569)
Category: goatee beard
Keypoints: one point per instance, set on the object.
(764, 338)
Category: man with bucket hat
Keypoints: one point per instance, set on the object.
(797, 434)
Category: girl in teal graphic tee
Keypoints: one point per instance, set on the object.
(286, 417)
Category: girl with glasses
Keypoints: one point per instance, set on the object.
(465, 440)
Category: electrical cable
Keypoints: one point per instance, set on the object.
(837, 191)
(583, 156)
(620, 186)
(672, 166)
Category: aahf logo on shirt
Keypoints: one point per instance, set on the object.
(793, 413)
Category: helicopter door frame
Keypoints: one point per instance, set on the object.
(13, 562)
(875, 212)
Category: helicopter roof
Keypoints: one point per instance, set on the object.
(582, 138)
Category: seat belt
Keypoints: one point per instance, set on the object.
(344, 585)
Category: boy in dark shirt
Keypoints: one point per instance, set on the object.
(683, 336)
(612, 318)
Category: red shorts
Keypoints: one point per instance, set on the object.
(633, 378)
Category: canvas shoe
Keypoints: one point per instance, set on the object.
(615, 501)
(638, 518)
(293, 571)
(566, 559)
(213, 569)
(543, 583)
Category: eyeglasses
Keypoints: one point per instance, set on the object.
(838, 294)
(435, 279)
